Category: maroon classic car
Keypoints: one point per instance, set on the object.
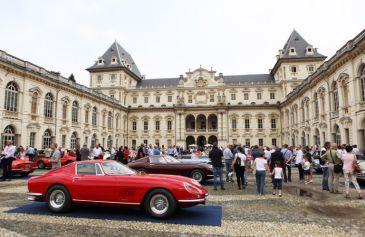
(165, 164)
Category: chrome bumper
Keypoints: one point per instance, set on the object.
(34, 196)
(195, 200)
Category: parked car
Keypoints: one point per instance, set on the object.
(165, 164)
(361, 162)
(45, 162)
(108, 182)
(22, 167)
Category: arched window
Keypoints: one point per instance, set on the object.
(110, 120)
(93, 140)
(362, 83)
(11, 97)
(34, 103)
(337, 134)
(109, 142)
(64, 110)
(73, 143)
(48, 106)
(316, 105)
(47, 139)
(335, 96)
(75, 110)
(94, 116)
(8, 135)
(104, 118)
(117, 121)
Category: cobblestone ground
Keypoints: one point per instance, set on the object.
(304, 210)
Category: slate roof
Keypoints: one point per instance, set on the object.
(300, 44)
(255, 78)
(230, 79)
(121, 55)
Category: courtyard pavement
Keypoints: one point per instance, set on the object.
(304, 210)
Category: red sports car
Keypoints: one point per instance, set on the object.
(108, 182)
(22, 167)
(165, 164)
(45, 162)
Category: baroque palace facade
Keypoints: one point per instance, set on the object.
(303, 100)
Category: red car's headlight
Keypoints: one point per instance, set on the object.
(191, 189)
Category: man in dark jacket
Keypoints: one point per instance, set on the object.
(216, 157)
(84, 152)
(276, 156)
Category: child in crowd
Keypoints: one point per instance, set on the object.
(307, 170)
(277, 172)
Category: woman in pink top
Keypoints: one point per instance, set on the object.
(348, 160)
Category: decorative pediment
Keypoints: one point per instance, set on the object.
(36, 89)
(87, 132)
(201, 82)
(342, 78)
(322, 125)
(66, 99)
(346, 121)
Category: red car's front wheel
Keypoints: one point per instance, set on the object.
(159, 203)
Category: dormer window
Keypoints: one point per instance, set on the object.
(114, 60)
(100, 61)
(310, 50)
(292, 51)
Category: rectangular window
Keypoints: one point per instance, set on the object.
(293, 69)
(272, 96)
(146, 99)
(261, 142)
(273, 123)
(112, 77)
(259, 123)
(63, 141)
(112, 96)
(145, 142)
(32, 139)
(100, 78)
(145, 125)
(157, 125)
(86, 116)
(190, 99)
(362, 88)
(157, 142)
(169, 98)
(247, 123)
(247, 142)
(86, 140)
(158, 98)
(234, 141)
(134, 143)
(234, 123)
(310, 68)
(259, 96)
(273, 141)
(134, 125)
(245, 96)
(233, 96)
(134, 99)
(211, 98)
(169, 125)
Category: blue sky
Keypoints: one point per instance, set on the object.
(167, 37)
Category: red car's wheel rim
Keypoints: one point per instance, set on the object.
(159, 204)
(57, 199)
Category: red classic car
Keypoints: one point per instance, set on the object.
(22, 167)
(45, 162)
(165, 164)
(108, 182)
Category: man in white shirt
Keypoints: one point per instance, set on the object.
(7, 157)
(97, 151)
(299, 162)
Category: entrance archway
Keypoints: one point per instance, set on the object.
(201, 141)
(212, 139)
(190, 140)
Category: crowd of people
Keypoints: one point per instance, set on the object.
(277, 162)
(259, 161)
